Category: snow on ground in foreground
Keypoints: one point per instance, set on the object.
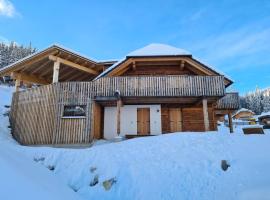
(172, 166)
(21, 178)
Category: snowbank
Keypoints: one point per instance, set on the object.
(21, 177)
(172, 166)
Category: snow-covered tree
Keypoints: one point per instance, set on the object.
(10, 53)
(258, 101)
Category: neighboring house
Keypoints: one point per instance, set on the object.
(264, 119)
(243, 114)
(156, 89)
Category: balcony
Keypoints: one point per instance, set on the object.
(169, 86)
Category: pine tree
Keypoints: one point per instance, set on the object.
(257, 101)
(10, 53)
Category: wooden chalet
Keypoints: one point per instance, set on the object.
(158, 89)
(243, 114)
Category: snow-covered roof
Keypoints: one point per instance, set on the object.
(242, 110)
(158, 50)
(263, 114)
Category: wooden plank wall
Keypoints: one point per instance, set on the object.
(153, 70)
(33, 115)
(36, 115)
(192, 118)
(73, 130)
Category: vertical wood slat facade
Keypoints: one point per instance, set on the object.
(174, 85)
(36, 114)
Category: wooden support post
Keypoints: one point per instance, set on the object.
(205, 114)
(56, 67)
(118, 114)
(230, 122)
(17, 84)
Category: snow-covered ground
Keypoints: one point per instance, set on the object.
(21, 177)
(172, 166)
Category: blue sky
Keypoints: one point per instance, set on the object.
(233, 36)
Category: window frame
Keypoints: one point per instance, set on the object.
(84, 106)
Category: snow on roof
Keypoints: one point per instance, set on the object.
(263, 114)
(158, 50)
(213, 68)
(110, 68)
(242, 110)
(153, 49)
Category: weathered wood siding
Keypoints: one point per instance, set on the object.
(36, 113)
(158, 69)
(229, 102)
(192, 119)
(33, 115)
(163, 86)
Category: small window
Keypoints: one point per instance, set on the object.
(74, 111)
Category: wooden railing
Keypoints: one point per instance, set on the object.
(229, 102)
(160, 86)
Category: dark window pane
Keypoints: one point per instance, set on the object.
(74, 111)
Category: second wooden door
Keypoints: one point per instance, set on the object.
(175, 117)
(143, 121)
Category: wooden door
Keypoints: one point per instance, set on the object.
(97, 123)
(175, 118)
(143, 121)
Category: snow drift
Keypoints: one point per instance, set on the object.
(172, 166)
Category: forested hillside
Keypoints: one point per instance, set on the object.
(10, 53)
(258, 101)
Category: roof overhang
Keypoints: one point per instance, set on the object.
(111, 71)
(74, 67)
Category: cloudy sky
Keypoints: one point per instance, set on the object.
(233, 36)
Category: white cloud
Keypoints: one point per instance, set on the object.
(246, 44)
(6, 8)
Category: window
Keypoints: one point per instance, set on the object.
(74, 111)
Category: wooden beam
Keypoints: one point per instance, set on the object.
(74, 65)
(230, 122)
(134, 66)
(17, 83)
(29, 78)
(205, 115)
(40, 67)
(26, 62)
(56, 67)
(182, 65)
(75, 76)
(118, 115)
(121, 67)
